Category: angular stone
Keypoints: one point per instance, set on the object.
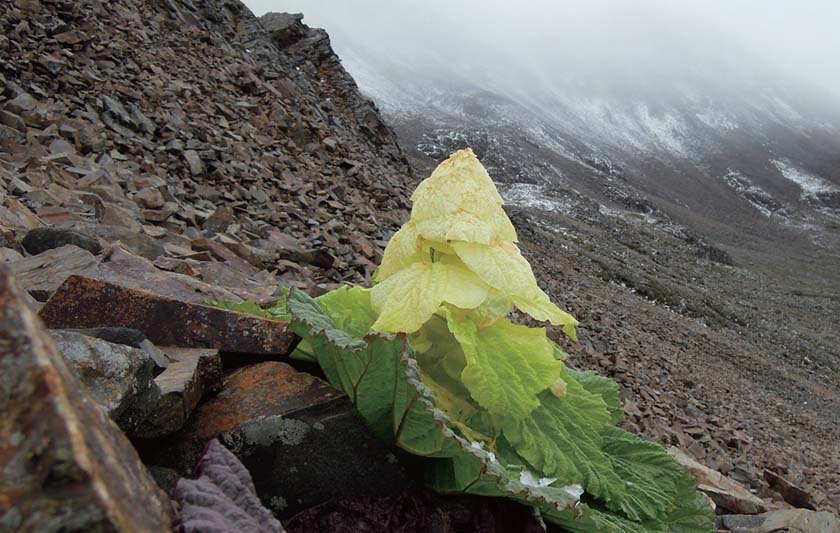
(223, 253)
(7, 255)
(10, 120)
(42, 274)
(124, 268)
(114, 215)
(219, 221)
(273, 418)
(89, 303)
(134, 240)
(725, 492)
(60, 146)
(793, 494)
(160, 215)
(263, 284)
(793, 520)
(149, 198)
(194, 162)
(21, 103)
(17, 219)
(128, 337)
(66, 466)
(39, 240)
(120, 378)
(192, 373)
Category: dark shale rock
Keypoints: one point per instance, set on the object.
(123, 268)
(791, 493)
(66, 466)
(134, 241)
(42, 274)
(39, 240)
(792, 520)
(88, 303)
(192, 373)
(417, 510)
(273, 418)
(120, 378)
(128, 337)
(219, 221)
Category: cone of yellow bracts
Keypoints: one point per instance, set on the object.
(458, 248)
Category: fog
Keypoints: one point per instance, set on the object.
(590, 44)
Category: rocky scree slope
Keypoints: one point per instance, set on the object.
(154, 115)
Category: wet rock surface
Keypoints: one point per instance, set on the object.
(273, 418)
(417, 511)
(190, 375)
(118, 377)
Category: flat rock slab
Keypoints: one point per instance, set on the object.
(66, 466)
(793, 494)
(303, 441)
(120, 378)
(725, 492)
(192, 373)
(83, 302)
(42, 274)
(792, 520)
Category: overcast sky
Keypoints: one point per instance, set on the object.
(794, 39)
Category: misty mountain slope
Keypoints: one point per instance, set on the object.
(759, 157)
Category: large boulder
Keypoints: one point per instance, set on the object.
(89, 303)
(66, 466)
(302, 440)
(119, 377)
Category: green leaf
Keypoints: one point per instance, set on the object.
(660, 496)
(350, 310)
(694, 515)
(586, 519)
(355, 366)
(562, 439)
(604, 387)
(309, 319)
(507, 365)
(653, 480)
(380, 371)
(276, 312)
(440, 355)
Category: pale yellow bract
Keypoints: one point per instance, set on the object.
(457, 248)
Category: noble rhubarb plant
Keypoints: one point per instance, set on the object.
(432, 361)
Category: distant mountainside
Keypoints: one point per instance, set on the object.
(750, 158)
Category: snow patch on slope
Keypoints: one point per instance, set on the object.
(757, 197)
(532, 196)
(717, 120)
(810, 184)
